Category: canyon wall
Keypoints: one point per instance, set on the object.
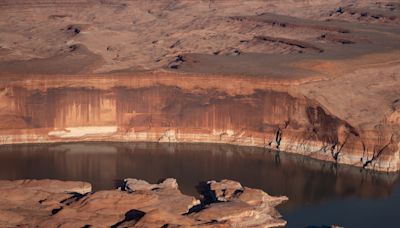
(150, 109)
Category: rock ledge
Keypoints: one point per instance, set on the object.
(53, 203)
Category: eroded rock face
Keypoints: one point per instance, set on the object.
(51, 203)
(161, 113)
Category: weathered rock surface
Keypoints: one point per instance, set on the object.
(27, 202)
(51, 203)
(317, 78)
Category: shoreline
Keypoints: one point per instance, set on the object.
(160, 137)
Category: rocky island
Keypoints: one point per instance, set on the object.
(317, 78)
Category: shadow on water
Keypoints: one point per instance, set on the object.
(319, 193)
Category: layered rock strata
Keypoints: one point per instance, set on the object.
(51, 203)
(117, 110)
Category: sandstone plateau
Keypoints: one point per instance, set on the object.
(317, 78)
(53, 203)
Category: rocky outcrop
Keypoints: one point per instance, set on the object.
(51, 203)
(26, 202)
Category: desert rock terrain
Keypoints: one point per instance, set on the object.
(317, 78)
(53, 203)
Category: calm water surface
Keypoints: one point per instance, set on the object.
(319, 193)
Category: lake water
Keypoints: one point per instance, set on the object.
(319, 193)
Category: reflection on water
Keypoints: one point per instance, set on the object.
(313, 187)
